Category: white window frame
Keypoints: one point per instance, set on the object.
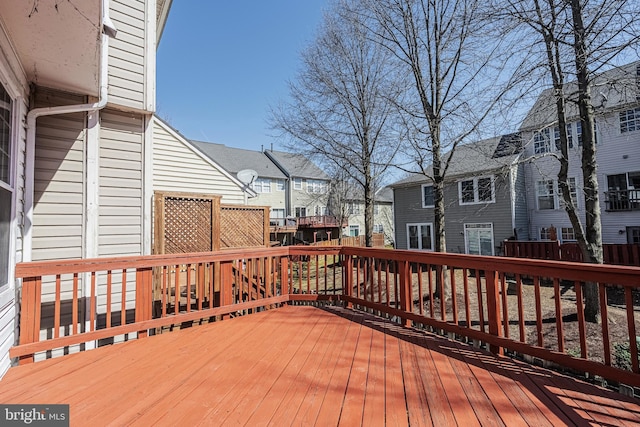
(354, 227)
(542, 141)
(320, 210)
(316, 186)
(476, 190)
(629, 120)
(296, 208)
(280, 185)
(378, 228)
(262, 185)
(553, 193)
(353, 208)
(6, 287)
(564, 231)
(422, 196)
(543, 234)
(297, 183)
(479, 226)
(420, 225)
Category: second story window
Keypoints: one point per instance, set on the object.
(297, 183)
(428, 200)
(262, 185)
(316, 186)
(545, 194)
(353, 208)
(630, 120)
(542, 141)
(280, 184)
(476, 190)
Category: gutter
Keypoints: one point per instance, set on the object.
(108, 30)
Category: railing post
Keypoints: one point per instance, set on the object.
(285, 287)
(493, 308)
(226, 285)
(30, 314)
(347, 279)
(405, 291)
(144, 296)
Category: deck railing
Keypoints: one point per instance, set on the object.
(521, 306)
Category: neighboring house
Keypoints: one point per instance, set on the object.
(616, 98)
(382, 214)
(307, 195)
(77, 96)
(484, 196)
(179, 166)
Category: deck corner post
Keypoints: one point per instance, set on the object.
(347, 279)
(226, 285)
(30, 314)
(144, 296)
(493, 308)
(285, 277)
(405, 291)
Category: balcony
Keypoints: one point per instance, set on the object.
(320, 221)
(283, 225)
(326, 336)
(622, 200)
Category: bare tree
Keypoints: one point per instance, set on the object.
(342, 104)
(455, 79)
(578, 38)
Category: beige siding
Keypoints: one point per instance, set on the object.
(120, 184)
(176, 167)
(59, 174)
(127, 54)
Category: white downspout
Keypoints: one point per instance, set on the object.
(107, 27)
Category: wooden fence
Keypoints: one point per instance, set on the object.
(357, 241)
(616, 254)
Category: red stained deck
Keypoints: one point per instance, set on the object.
(300, 365)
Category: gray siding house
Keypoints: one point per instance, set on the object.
(484, 201)
(616, 98)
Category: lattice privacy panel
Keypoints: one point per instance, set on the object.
(244, 226)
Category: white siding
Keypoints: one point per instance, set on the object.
(120, 184)
(176, 167)
(127, 62)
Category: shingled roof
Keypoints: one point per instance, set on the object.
(234, 160)
(484, 156)
(297, 165)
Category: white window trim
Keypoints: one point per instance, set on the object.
(475, 224)
(558, 200)
(476, 195)
(354, 227)
(419, 224)
(422, 195)
(297, 183)
(278, 182)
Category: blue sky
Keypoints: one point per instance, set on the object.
(221, 64)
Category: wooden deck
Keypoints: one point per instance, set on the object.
(300, 365)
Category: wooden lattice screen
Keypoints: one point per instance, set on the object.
(186, 222)
(244, 226)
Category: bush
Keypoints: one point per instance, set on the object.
(622, 355)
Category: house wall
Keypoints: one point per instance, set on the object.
(274, 199)
(176, 167)
(302, 198)
(14, 82)
(408, 210)
(617, 153)
(132, 54)
(384, 217)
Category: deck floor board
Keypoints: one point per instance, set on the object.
(301, 365)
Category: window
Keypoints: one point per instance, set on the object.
(633, 235)
(567, 234)
(624, 191)
(476, 190)
(378, 228)
(428, 200)
(279, 184)
(545, 233)
(353, 208)
(573, 191)
(301, 212)
(276, 217)
(569, 135)
(376, 209)
(420, 236)
(542, 141)
(320, 210)
(478, 239)
(545, 194)
(6, 189)
(316, 186)
(297, 183)
(262, 185)
(354, 230)
(579, 133)
(630, 120)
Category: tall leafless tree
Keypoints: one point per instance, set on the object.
(342, 104)
(577, 38)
